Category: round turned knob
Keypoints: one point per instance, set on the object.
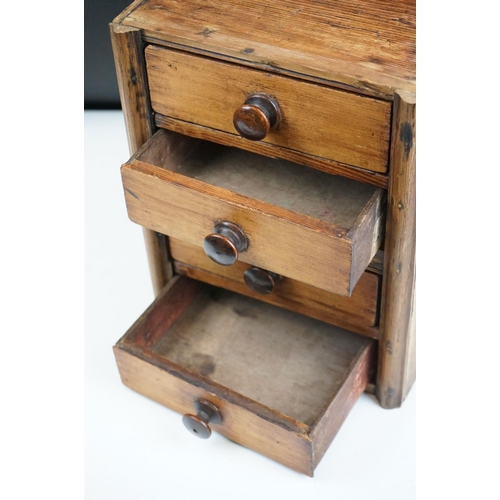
(257, 116)
(260, 281)
(206, 413)
(224, 244)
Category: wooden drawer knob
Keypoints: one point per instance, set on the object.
(257, 116)
(225, 243)
(206, 413)
(260, 280)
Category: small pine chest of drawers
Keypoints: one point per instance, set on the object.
(273, 171)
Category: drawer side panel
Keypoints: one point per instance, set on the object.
(336, 413)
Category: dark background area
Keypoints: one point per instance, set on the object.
(100, 86)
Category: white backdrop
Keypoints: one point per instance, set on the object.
(136, 449)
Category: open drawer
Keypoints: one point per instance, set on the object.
(265, 377)
(298, 222)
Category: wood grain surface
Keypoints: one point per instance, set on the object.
(396, 370)
(317, 120)
(204, 352)
(368, 45)
(357, 49)
(132, 83)
(320, 252)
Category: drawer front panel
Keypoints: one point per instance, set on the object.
(358, 313)
(309, 247)
(316, 120)
(197, 342)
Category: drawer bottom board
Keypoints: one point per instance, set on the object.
(283, 382)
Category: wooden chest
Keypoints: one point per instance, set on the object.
(273, 171)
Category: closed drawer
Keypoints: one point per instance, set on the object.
(321, 121)
(282, 383)
(358, 313)
(316, 228)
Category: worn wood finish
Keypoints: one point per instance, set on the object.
(132, 84)
(396, 358)
(340, 72)
(120, 17)
(364, 239)
(319, 229)
(271, 151)
(316, 120)
(366, 44)
(203, 353)
(358, 313)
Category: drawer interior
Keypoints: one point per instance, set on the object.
(243, 345)
(289, 371)
(329, 198)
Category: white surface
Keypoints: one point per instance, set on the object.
(136, 449)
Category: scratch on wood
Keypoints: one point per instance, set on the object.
(334, 25)
(206, 32)
(131, 193)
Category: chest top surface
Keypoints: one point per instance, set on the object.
(365, 44)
